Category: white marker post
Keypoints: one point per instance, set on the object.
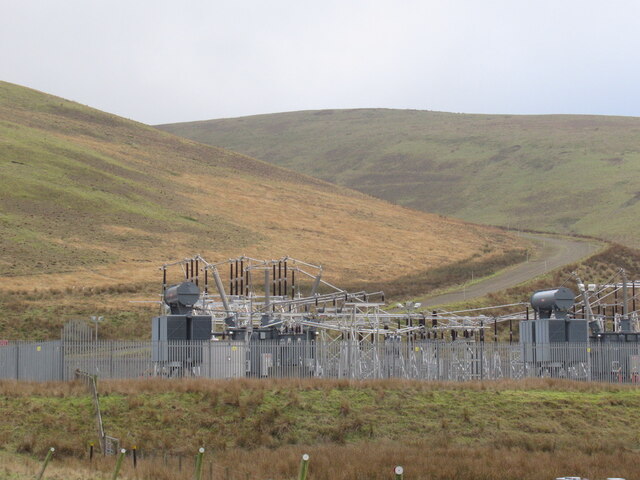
(47, 459)
(118, 464)
(304, 467)
(399, 471)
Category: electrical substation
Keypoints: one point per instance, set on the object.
(245, 317)
(288, 320)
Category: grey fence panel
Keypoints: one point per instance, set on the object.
(9, 361)
(33, 361)
(224, 360)
(41, 362)
(298, 359)
(348, 359)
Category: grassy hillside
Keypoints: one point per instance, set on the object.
(560, 173)
(91, 204)
(504, 430)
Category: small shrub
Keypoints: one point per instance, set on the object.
(345, 407)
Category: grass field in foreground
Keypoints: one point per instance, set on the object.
(533, 429)
(366, 460)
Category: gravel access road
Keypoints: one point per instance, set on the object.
(553, 252)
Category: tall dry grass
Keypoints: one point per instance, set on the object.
(13, 388)
(369, 460)
(239, 386)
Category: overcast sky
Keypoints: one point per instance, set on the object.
(168, 61)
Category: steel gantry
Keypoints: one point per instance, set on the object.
(290, 294)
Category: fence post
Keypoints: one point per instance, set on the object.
(110, 359)
(118, 464)
(198, 473)
(46, 462)
(304, 467)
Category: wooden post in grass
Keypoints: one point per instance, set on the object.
(47, 459)
(399, 471)
(118, 464)
(304, 467)
(198, 473)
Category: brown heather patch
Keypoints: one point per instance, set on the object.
(12, 388)
(375, 460)
(337, 231)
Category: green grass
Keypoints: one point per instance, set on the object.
(346, 427)
(40, 314)
(267, 419)
(225, 415)
(69, 171)
(559, 173)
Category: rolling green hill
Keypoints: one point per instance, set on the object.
(560, 173)
(91, 204)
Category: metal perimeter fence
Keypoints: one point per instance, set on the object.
(422, 360)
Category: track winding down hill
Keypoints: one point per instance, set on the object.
(553, 252)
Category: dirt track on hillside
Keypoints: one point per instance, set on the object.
(553, 252)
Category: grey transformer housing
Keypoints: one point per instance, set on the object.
(182, 297)
(557, 301)
(180, 325)
(552, 324)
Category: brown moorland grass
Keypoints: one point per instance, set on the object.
(532, 429)
(94, 201)
(375, 460)
(86, 185)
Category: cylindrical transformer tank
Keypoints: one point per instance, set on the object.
(555, 300)
(182, 297)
